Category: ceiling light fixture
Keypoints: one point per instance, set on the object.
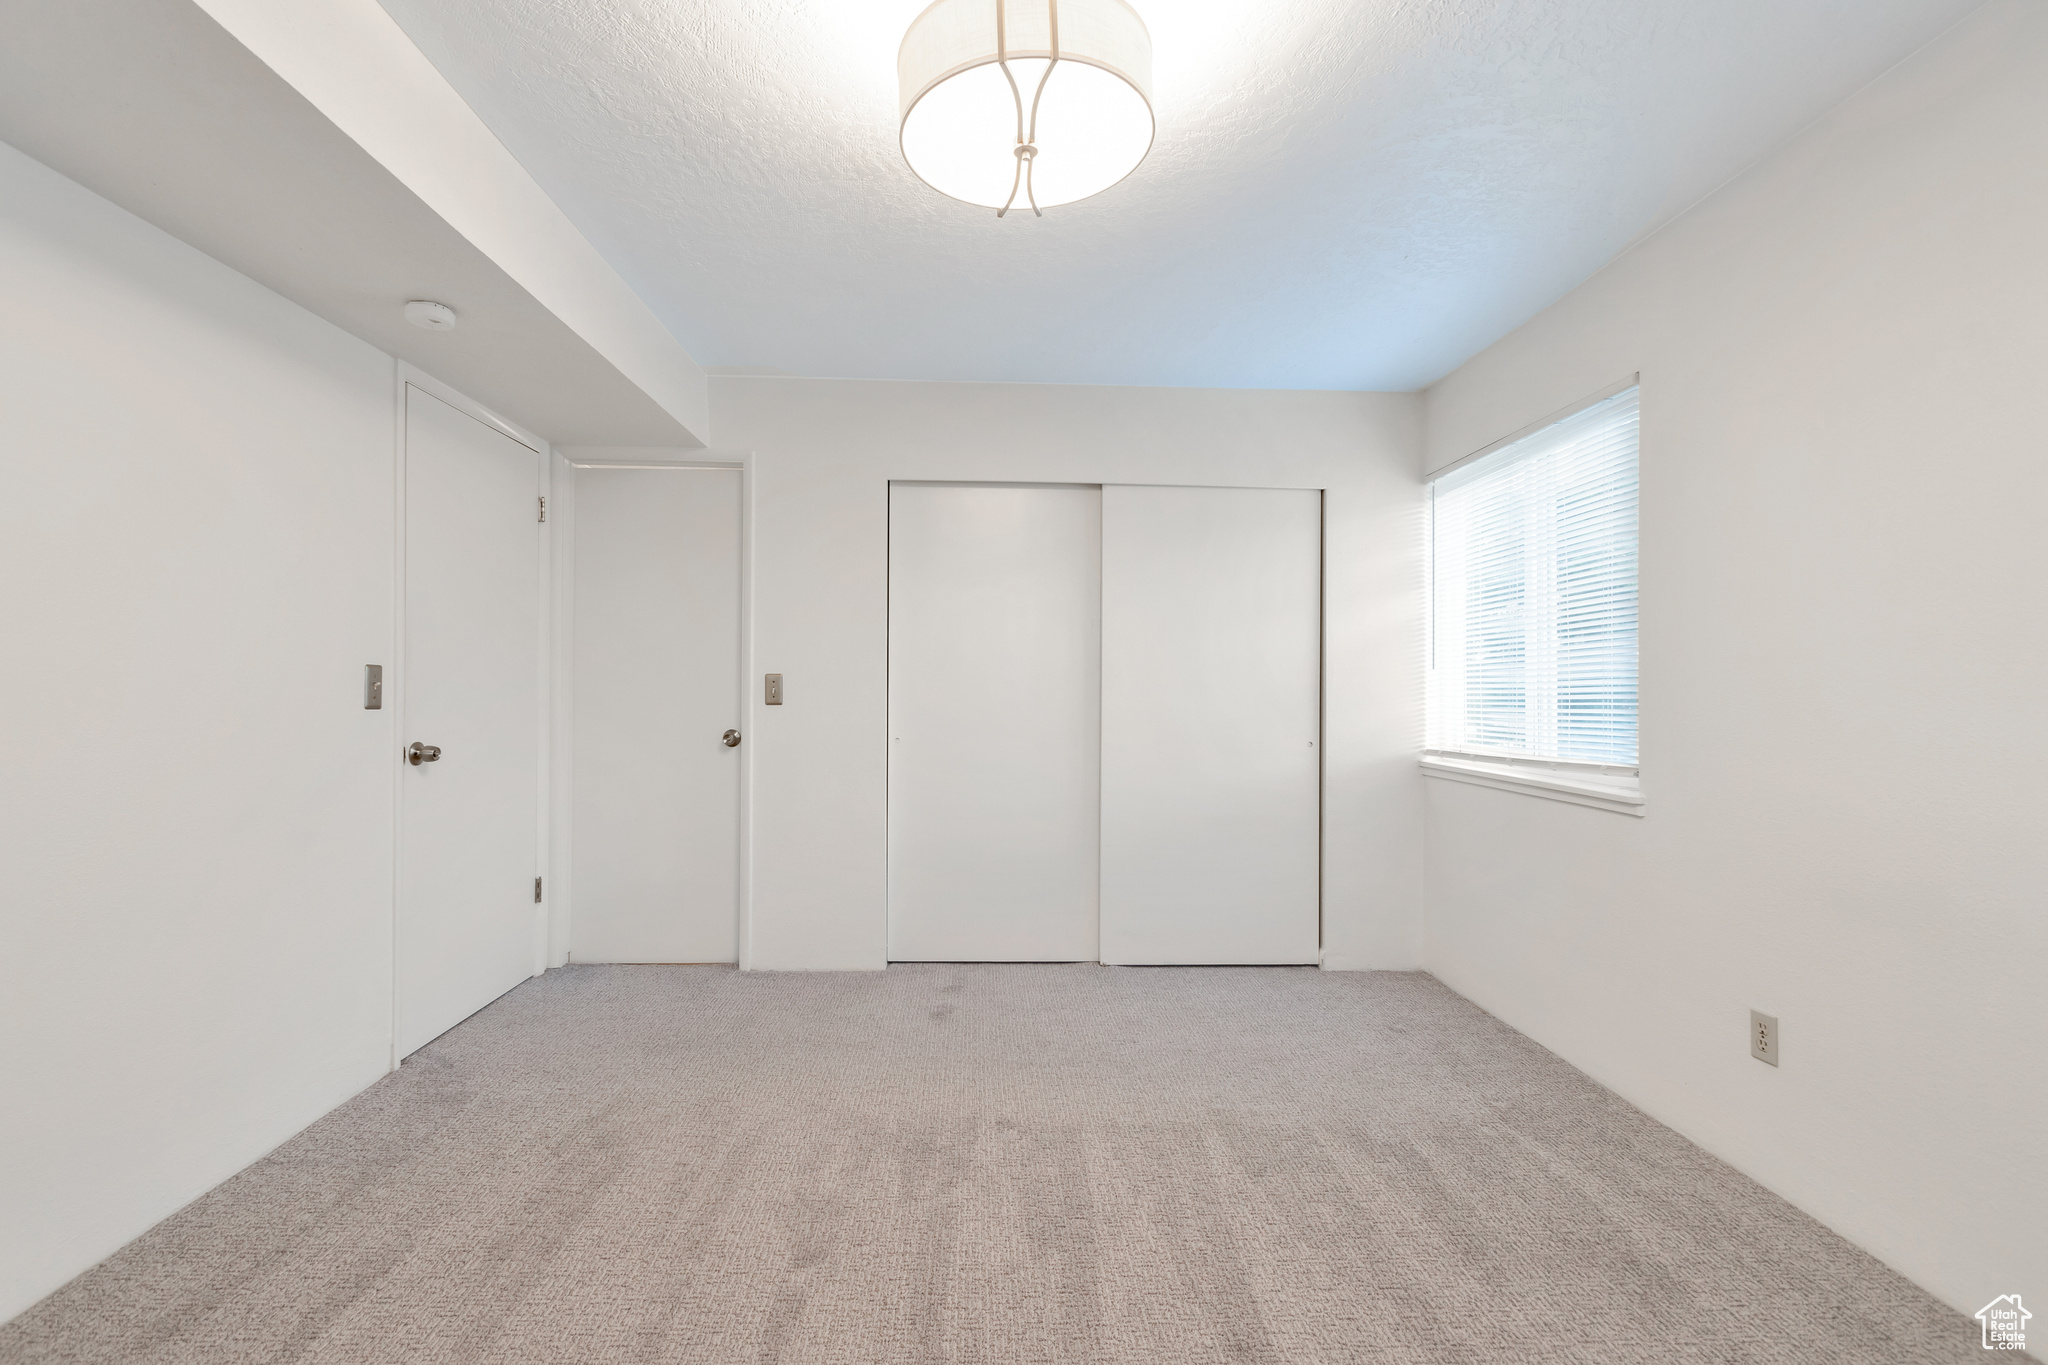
(1044, 100)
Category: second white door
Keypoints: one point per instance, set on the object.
(994, 706)
(655, 824)
(1211, 709)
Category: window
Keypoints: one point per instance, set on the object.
(1532, 610)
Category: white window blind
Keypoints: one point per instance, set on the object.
(1533, 594)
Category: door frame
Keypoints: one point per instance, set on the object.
(566, 460)
(404, 375)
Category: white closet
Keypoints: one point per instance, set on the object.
(994, 735)
(1211, 706)
(1104, 724)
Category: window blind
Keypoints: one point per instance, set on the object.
(1532, 587)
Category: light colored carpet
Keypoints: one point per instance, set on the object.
(988, 1164)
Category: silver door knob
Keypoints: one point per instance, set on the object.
(423, 753)
(732, 739)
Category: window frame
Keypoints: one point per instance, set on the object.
(1613, 787)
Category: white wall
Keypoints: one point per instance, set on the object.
(1844, 648)
(196, 546)
(823, 453)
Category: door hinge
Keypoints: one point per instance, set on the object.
(536, 891)
(543, 509)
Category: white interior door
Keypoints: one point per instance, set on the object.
(1211, 666)
(468, 927)
(994, 722)
(655, 829)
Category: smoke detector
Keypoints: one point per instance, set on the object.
(435, 317)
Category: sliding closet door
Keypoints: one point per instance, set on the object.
(994, 722)
(1211, 666)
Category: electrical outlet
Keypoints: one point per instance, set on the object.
(1763, 1037)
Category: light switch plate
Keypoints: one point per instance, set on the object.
(373, 687)
(1763, 1037)
(771, 687)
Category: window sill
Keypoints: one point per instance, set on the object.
(1603, 787)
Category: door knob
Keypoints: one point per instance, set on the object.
(732, 739)
(423, 753)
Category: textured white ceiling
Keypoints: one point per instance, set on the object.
(1351, 194)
